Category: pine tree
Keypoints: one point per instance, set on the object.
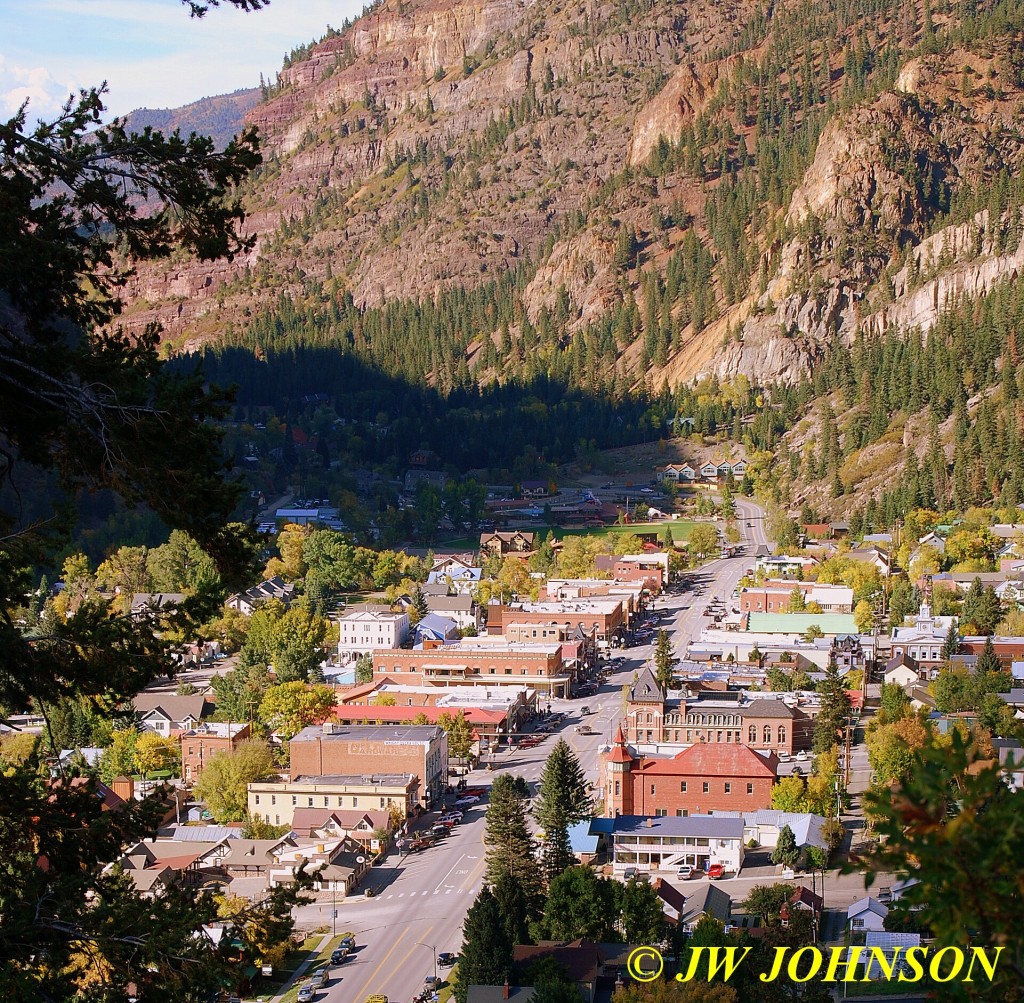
(786, 851)
(951, 645)
(988, 660)
(563, 801)
(510, 847)
(663, 660)
(835, 708)
(486, 958)
(643, 920)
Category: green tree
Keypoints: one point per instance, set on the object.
(703, 540)
(486, 957)
(459, 731)
(988, 661)
(118, 759)
(642, 917)
(580, 903)
(223, 784)
(510, 847)
(835, 709)
(786, 851)
(766, 901)
(180, 565)
(790, 794)
(418, 608)
(797, 603)
(894, 703)
(298, 639)
(953, 819)
(239, 693)
(290, 707)
(364, 668)
(864, 616)
(562, 801)
(664, 660)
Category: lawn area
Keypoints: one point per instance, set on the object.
(448, 986)
(679, 528)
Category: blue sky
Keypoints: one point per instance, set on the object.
(151, 53)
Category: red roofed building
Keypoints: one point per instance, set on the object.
(485, 723)
(699, 780)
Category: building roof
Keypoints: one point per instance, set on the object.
(499, 994)
(619, 753)
(712, 759)
(646, 688)
(865, 905)
(713, 826)
(406, 715)
(581, 839)
(175, 707)
(800, 623)
(710, 900)
(804, 897)
(437, 625)
(768, 708)
(305, 820)
(450, 604)
(396, 735)
(580, 958)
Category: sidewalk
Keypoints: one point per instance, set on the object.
(301, 970)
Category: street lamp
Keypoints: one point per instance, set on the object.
(433, 950)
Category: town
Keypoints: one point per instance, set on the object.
(728, 710)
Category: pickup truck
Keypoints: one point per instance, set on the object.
(716, 871)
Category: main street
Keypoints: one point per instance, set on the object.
(420, 900)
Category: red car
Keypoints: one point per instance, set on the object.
(715, 871)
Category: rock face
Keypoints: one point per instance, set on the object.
(441, 143)
(867, 197)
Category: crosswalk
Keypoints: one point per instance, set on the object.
(435, 891)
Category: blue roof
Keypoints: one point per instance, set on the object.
(715, 826)
(581, 838)
(602, 826)
(435, 625)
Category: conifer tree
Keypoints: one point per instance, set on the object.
(510, 847)
(563, 801)
(835, 708)
(486, 958)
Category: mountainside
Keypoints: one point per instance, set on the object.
(220, 117)
(619, 192)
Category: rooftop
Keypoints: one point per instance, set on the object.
(713, 826)
(393, 734)
(800, 623)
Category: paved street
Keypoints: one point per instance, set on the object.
(420, 900)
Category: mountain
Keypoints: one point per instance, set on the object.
(221, 117)
(613, 194)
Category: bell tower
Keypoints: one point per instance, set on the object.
(618, 786)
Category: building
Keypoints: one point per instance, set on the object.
(661, 842)
(604, 616)
(277, 802)
(776, 597)
(363, 631)
(699, 780)
(654, 718)
(420, 750)
(678, 473)
(783, 564)
(250, 600)
(518, 542)
(167, 714)
(479, 661)
(1008, 649)
(457, 578)
(866, 914)
(434, 627)
(210, 738)
(924, 639)
(463, 609)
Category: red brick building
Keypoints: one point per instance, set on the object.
(209, 739)
(604, 614)
(697, 781)
(1009, 649)
(345, 750)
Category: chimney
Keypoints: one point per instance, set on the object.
(650, 823)
(504, 991)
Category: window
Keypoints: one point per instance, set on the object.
(750, 788)
(617, 788)
(257, 799)
(752, 734)
(660, 812)
(652, 788)
(682, 786)
(355, 802)
(683, 813)
(191, 750)
(309, 802)
(767, 734)
(782, 734)
(728, 788)
(273, 799)
(295, 800)
(706, 787)
(383, 802)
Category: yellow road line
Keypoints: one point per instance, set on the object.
(376, 971)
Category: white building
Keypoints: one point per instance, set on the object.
(866, 914)
(363, 631)
(666, 841)
(924, 639)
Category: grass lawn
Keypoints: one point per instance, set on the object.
(679, 528)
(270, 988)
(448, 986)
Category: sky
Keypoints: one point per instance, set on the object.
(151, 52)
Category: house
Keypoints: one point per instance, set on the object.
(902, 670)
(866, 914)
(337, 865)
(424, 458)
(460, 580)
(434, 627)
(739, 468)
(207, 739)
(451, 564)
(924, 639)
(672, 899)
(678, 473)
(891, 946)
(805, 900)
(167, 713)
(659, 842)
(155, 865)
(463, 609)
(500, 994)
(580, 960)
(765, 824)
(536, 489)
(503, 544)
(414, 478)
(250, 600)
(782, 564)
(872, 554)
(362, 631)
(709, 471)
(148, 603)
(710, 900)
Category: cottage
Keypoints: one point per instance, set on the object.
(866, 914)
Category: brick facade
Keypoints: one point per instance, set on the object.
(699, 780)
(199, 744)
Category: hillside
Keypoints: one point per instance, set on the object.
(221, 117)
(609, 194)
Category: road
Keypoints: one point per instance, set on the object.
(420, 900)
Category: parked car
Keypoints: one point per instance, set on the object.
(629, 873)
(421, 844)
(585, 729)
(320, 977)
(349, 943)
(465, 802)
(439, 831)
(801, 756)
(585, 709)
(685, 871)
(431, 982)
(339, 954)
(306, 992)
(446, 959)
(716, 871)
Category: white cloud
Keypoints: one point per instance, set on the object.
(34, 84)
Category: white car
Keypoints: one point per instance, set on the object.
(467, 801)
(685, 871)
(801, 756)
